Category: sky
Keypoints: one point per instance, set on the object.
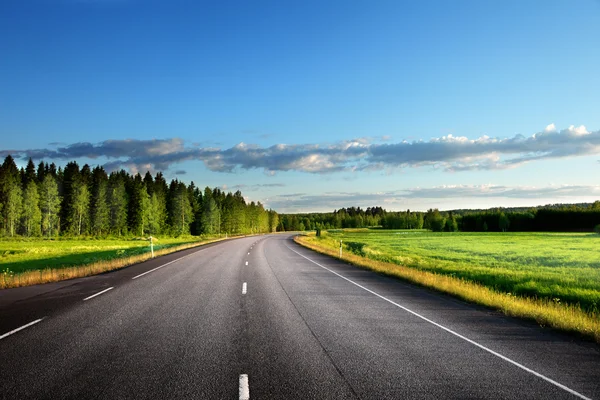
(311, 106)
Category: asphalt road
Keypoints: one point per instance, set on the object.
(261, 317)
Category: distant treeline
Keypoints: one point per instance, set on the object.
(356, 217)
(353, 217)
(50, 201)
(556, 217)
(567, 219)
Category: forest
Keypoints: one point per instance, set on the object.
(46, 201)
(552, 218)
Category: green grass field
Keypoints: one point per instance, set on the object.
(18, 256)
(563, 267)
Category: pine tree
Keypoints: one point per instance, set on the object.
(41, 172)
(160, 212)
(138, 205)
(149, 182)
(66, 179)
(29, 175)
(195, 202)
(197, 227)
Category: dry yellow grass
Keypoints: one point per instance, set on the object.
(567, 318)
(35, 277)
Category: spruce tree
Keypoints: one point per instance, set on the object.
(68, 180)
(30, 174)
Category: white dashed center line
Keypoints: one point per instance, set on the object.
(21, 328)
(244, 388)
(244, 288)
(98, 294)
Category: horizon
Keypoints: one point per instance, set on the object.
(311, 107)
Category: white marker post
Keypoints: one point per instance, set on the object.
(151, 247)
(340, 248)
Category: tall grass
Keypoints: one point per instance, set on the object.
(545, 311)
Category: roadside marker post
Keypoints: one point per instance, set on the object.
(340, 248)
(151, 247)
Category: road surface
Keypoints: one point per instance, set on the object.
(263, 318)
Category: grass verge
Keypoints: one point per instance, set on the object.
(564, 317)
(9, 279)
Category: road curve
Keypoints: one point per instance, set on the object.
(261, 317)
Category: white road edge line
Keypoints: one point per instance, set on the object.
(244, 388)
(98, 294)
(244, 288)
(565, 388)
(164, 265)
(21, 328)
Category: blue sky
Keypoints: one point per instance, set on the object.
(312, 105)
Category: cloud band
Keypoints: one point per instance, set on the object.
(449, 153)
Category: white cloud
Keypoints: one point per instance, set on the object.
(450, 153)
(578, 131)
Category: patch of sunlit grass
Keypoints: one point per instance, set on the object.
(11, 279)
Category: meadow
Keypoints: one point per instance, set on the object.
(31, 261)
(548, 277)
(564, 267)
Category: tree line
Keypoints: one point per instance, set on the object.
(356, 217)
(353, 217)
(572, 218)
(560, 218)
(72, 201)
